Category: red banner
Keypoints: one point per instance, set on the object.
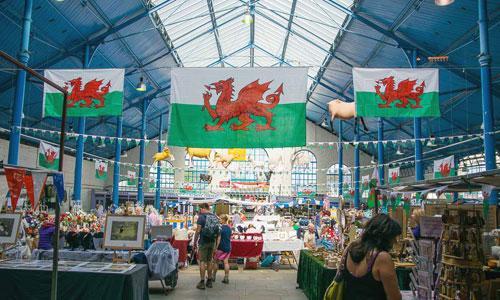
(28, 184)
(15, 179)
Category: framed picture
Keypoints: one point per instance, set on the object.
(9, 226)
(124, 232)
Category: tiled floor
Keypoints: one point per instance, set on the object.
(244, 285)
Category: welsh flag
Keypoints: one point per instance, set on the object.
(238, 107)
(101, 170)
(92, 92)
(365, 180)
(394, 176)
(396, 92)
(48, 156)
(131, 178)
(445, 167)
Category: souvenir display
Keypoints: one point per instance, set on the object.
(462, 273)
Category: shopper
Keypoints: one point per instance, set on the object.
(370, 273)
(207, 232)
(224, 247)
(415, 218)
(310, 237)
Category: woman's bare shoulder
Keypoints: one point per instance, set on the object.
(385, 258)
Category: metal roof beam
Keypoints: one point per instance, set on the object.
(290, 22)
(215, 31)
(292, 31)
(229, 55)
(252, 32)
(100, 14)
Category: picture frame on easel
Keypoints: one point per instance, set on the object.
(9, 228)
(124, 232)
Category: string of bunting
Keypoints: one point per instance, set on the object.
(246, 171)
(100, 139)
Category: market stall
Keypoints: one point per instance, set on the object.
(77, 280)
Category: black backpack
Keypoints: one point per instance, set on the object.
(211, 230)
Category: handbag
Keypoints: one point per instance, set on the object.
(335, 290)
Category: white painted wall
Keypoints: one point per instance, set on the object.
(28, 157)
(325, 157)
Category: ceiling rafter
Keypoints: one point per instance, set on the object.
(215, 31)
(289, 26)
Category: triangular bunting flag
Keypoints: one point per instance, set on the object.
(39, 180)
(59, 184)
(15, 181)
(28, 184)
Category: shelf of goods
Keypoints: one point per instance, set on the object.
(462, 275)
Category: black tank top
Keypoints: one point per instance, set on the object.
(365, 287)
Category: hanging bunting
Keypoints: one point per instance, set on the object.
(28, 184)
(39, 180)
(58, 179)
(15, 180)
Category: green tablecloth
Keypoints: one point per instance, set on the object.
(313, 278)
(35, 284)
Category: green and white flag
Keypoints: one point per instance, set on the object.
(48, 156)
(238, 107)
(401, 93)
(365, 180)
(394, 176)
(101, 170)
(131, 178)
(92, 92)
(445, 167)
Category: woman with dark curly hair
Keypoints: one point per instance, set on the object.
(369, 272)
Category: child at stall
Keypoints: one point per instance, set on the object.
(224, 247)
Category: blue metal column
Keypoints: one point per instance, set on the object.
(142, 153)
(17, 110)
(118, 152)
(484, 61)
(341, 158)
(158, 168)
(356, 166)
(77, 189)
(380, 148)
(417, 133)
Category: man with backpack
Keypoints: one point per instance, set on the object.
(205, 238)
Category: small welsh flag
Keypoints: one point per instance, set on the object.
(445, 167)
(101, 170)
(131, 178)
(394, 176)
(48, 156)
(366, 182)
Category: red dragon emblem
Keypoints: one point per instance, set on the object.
(394, 176)
(50, 156)
(403, 93)
(445, 169)
(247, 104)
(90, 92)
(100, 170)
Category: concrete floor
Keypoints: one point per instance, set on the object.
(244, 285)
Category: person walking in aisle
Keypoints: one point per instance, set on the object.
(223, 248)
(207, 232)
(370, 273)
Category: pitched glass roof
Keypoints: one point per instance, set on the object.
(210, 33)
